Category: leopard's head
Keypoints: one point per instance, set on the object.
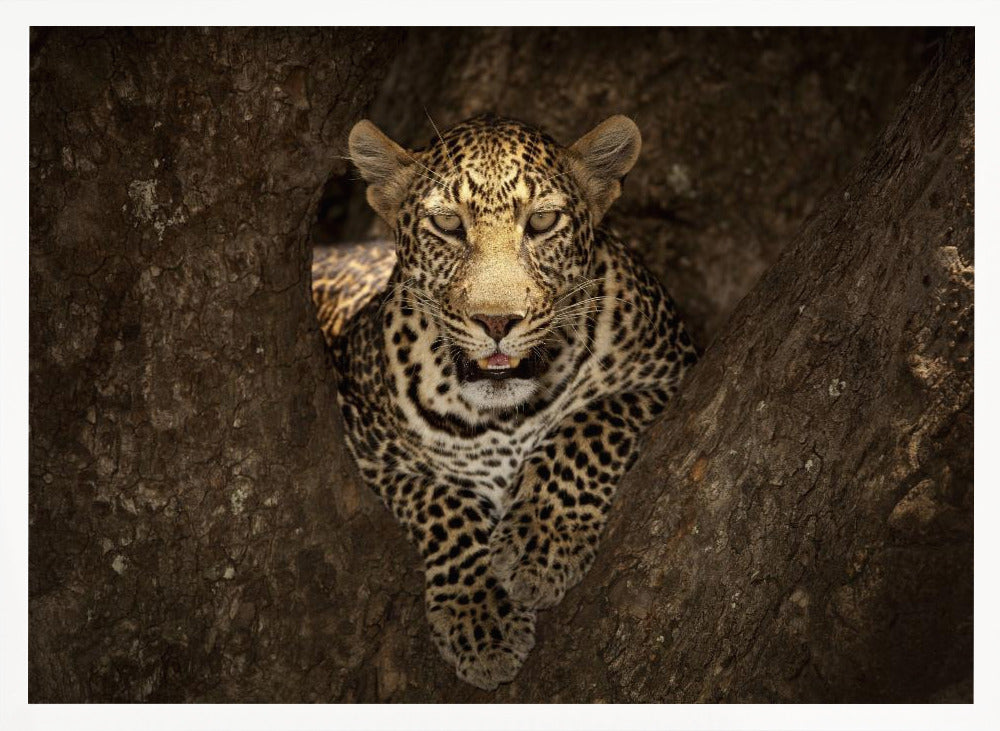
(494, 228)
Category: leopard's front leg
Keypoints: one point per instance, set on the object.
(547, 540)
(475, 624)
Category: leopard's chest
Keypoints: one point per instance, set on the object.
(490, 463)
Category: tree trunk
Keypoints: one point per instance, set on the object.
(184, 438)
(799, 527)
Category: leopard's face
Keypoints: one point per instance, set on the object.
(494, 237)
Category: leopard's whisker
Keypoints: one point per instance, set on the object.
(443, 145)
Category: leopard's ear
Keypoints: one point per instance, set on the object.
(601, 159)
(385, 166)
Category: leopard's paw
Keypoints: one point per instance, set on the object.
(535, 563)
(486, 638)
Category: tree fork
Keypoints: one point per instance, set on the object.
(799, 527)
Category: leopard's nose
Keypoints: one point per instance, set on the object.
(497, 326)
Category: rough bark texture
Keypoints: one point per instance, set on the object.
(183, 444)
(800, 527)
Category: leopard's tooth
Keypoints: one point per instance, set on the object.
(484, 363)
(514, 362)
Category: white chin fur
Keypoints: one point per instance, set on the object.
(488, 395)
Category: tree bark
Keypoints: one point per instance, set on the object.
(183, 435)
(798, 528)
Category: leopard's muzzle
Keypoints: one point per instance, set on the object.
(497, 367)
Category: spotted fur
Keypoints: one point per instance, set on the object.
(344, 280)
(503, 483)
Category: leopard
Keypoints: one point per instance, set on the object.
(497, 362)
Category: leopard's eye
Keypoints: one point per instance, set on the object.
(542, 221)
(447, 222)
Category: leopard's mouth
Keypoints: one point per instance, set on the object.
(497, 367)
